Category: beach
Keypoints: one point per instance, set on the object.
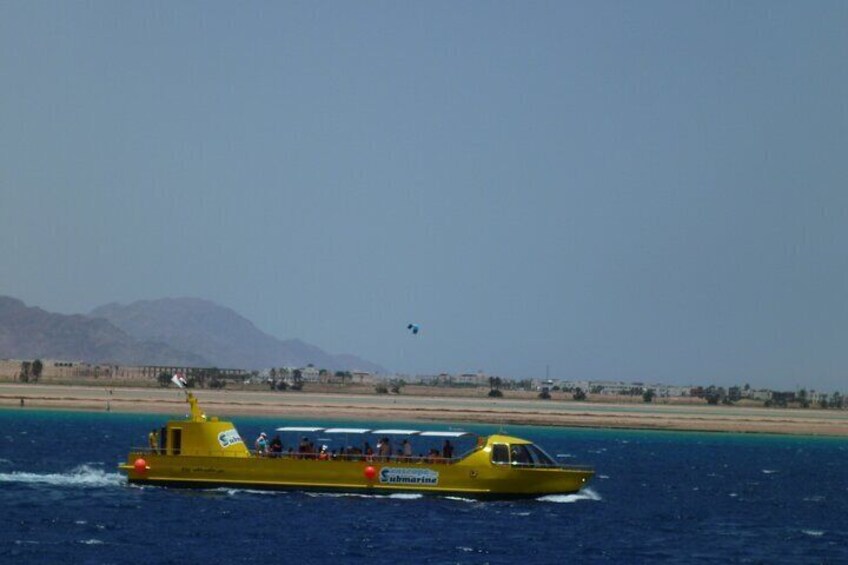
(454, 409)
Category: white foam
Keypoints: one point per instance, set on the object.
(82, 476)
(396, 496)
(234, 491)
(585, 494)
(814, 533)
(91, 541)
(459, 499)
(406, 496)
(769, 471)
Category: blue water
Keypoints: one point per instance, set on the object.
(657, 497)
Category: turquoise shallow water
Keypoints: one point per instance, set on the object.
(658, 496)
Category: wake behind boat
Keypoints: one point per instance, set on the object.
(203, 452)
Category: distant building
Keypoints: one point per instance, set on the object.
(310, 374)
(476, 379)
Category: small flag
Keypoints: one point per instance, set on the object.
(178, 380)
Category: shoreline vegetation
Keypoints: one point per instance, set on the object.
(425, 404)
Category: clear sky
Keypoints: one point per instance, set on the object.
(610, 190)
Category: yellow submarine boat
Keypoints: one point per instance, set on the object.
(206, 452)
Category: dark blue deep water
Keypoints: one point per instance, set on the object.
(657, 497)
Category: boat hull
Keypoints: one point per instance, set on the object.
(464, 478)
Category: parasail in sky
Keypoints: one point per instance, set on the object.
(413, 328)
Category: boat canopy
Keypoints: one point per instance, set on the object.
(346, 431)
(304, 429)
(445, 434)
(396, 432)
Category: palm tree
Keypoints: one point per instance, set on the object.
(37, 367)
(297, 377)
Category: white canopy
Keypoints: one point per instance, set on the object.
(445, 434)
(346, 431)
(395, 432)
(304, 429)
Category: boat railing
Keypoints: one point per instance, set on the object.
(144, 451)
(373, 458)
(329, 456)
(355, 457)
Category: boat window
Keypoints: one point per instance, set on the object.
(520, 455)
(500, 454)
(541, 458)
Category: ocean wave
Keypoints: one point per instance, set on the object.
(82, 476)
(813, 533)
(770, 471)
(585, 494)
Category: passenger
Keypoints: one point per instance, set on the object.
(520, 455)
(276, 447)
(261, 444)
(384, 448)
(324, 454)
(407, 449)
(153, 441)
(447, 450)
(369, 453)
(303, 446)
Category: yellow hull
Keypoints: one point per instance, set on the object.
(462, 478)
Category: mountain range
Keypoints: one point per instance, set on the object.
(170, 331)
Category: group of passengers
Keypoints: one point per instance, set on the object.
(306, 449)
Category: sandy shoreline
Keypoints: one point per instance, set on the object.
(313, 406)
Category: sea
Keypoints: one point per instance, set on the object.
(668, 497)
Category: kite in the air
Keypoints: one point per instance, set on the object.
(413, 328)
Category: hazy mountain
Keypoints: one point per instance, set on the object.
(220, 335)
(29, 333)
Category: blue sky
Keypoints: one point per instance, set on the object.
(641, 191)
